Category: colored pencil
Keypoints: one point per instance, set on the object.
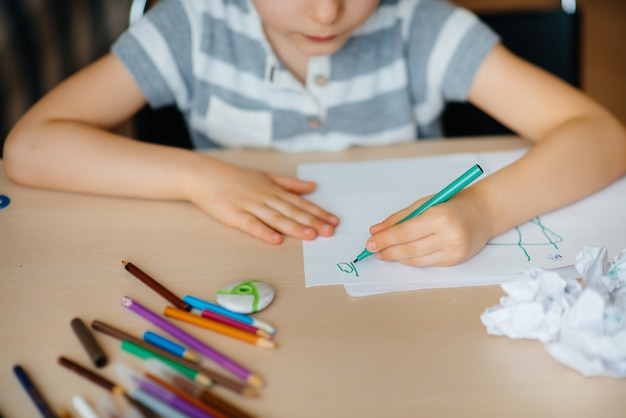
(34, 393)
(160, 408)
(193, 342)
(218, 327)
(83, 408)
(169, 345)
(138, 380)
(89, 343)
(234, 323)
(146, 353)
(103, 382)
(93, 377)
(205, 374)
(172, 399)
(205, 409)
(201, 304)
(156, 286)
(192, 389)
(187, 397)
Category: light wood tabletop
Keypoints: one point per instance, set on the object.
(413, 354)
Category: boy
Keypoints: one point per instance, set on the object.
(300, 75)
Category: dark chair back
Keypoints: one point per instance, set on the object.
(165, 125)
(547, 38)
(43, 42)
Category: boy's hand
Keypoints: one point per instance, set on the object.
(264, 205)
(444, 235)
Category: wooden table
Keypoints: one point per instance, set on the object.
(413, 354)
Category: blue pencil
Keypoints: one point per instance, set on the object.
(169, 346)
(34, 393)
(200, 304)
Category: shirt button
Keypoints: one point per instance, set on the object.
(314, 123)
(320, 80)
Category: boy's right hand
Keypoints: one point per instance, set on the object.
(266, 206)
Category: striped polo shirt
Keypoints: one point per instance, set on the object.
(388, 84)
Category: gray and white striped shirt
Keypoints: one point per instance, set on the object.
(388, 83)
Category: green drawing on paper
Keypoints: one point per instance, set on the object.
(348, 268)
(551, 239)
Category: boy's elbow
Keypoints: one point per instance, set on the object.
(15, 157)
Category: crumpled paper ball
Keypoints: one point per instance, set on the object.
(582, 326)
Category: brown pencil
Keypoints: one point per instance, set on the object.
(217, 378)
(105, 383)
(209, 398)
(156, 286)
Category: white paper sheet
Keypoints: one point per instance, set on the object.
(365, 193)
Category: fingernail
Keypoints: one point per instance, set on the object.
(371, 246)
(309, 231)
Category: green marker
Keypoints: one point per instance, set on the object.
(443, 196)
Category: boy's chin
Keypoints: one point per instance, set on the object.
(312, 49)
(320, 52)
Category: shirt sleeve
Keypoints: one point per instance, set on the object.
(445, 47)
(157, 52)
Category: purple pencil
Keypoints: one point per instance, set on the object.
(171, 399)
(193, 342)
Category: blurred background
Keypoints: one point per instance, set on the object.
(603, 44)
(44, 41)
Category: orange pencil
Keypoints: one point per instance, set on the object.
(235, 324)
(224, 329)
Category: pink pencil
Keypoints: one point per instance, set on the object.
(235, 324)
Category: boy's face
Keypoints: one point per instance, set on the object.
(313, 27)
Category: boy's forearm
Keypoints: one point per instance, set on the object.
(70, 156)
(573, 161)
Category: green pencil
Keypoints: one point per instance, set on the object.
(144, 353)
(444, 195)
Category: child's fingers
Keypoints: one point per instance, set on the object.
(302, 217)
(298, 204)
(441, 236)
(437, 258)
(292, 184)
(395, 235)
(396, 217)
(413, 252)
(268, 207)
(374, 229)
(431, 250)
(251, 225)
(295, 187)
(284, 224)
